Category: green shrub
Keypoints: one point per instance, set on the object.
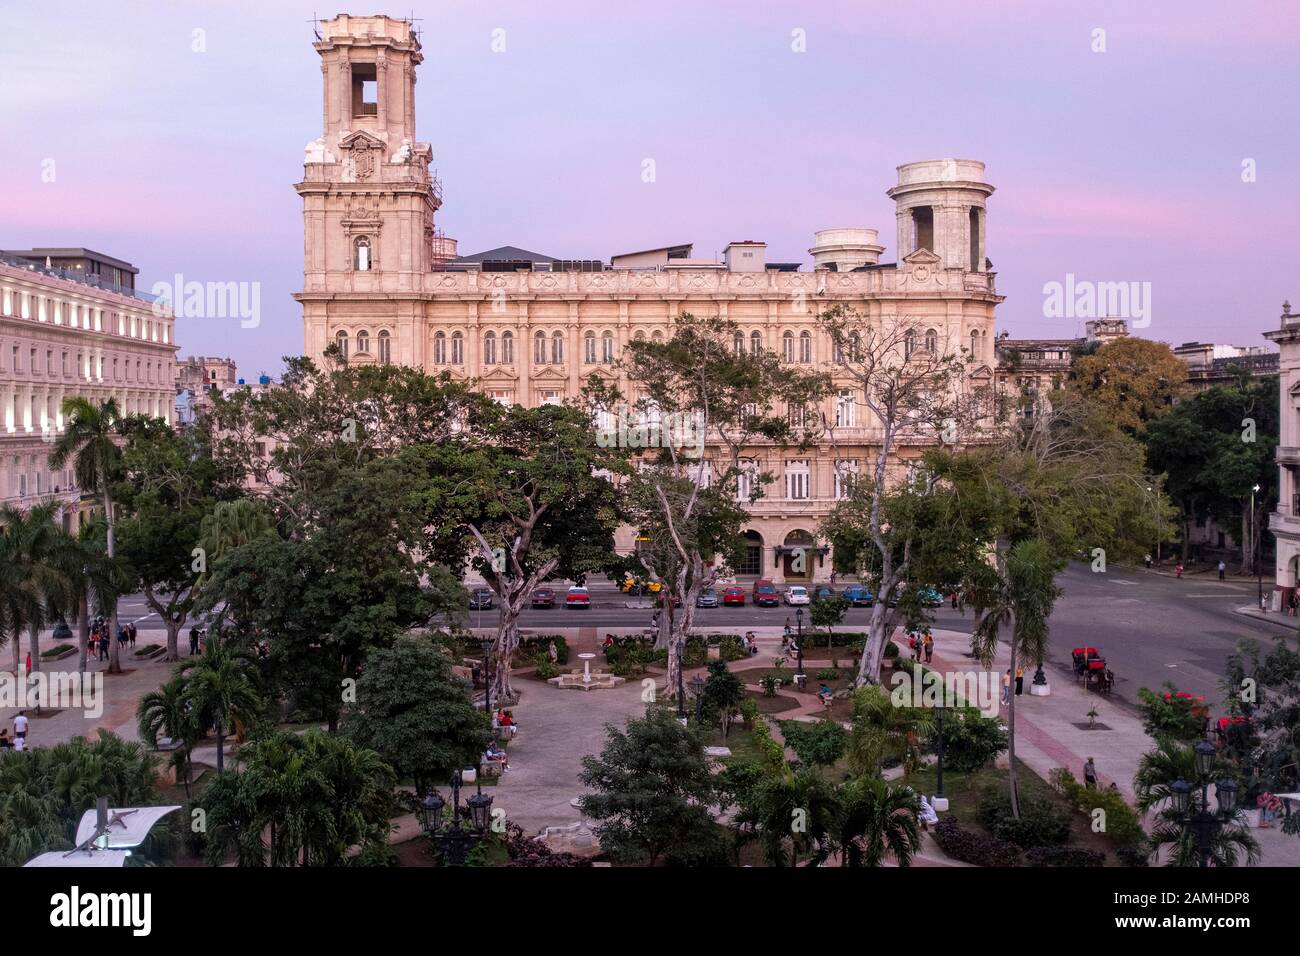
(828, 673)
(749, 711)
(891, 649)
(730, 649)
(1064, 856)
(542, 642)
(1123, 826)
(967, 846)
(545, 669)
(769, 683)
(695, 653)
(1041, 824)
(56, 650)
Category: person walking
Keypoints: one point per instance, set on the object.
(131, 633)
(1020, 680)
(1178, 570)
(929, 646)
(1294, 603)
(1006, 687)
(103, 643)
(1222, 567)
(194, 642)
(20, 726)
(1090, 774)
(1147, 560)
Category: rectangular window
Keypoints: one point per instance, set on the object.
(846, 409)
(846, 472)
(365, 90)
(797, 483)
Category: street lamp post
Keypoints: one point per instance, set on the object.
(798, 619)
(1254, 546)
(697, 688)
(938, 722)
(486, 647)
(467, 826)
(1204, 824)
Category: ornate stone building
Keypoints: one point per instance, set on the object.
(72, 330)
(1285, 521)
(381, 281)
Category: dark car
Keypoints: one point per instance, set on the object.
(480, 599)
(766, 594)
(544, 597)
(734, 595)
(707, 598)
(62, 633)
(859, 596)
(823, 591)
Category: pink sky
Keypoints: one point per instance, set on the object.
(1123, 165)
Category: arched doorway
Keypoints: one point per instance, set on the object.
(798, 555)
(752, 561)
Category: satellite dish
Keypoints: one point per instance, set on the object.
(122, 829)
(80, 858)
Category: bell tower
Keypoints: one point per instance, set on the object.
(369, 197)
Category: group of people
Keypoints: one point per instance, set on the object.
(98, 642)
(19, 741)
(1007, 683)
(921, 644)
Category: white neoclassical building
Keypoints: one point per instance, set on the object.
(1284, 523)
(68, 331)
(382, 281)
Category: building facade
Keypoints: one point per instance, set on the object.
(382, 282)
(1284, 523)
(63, 335)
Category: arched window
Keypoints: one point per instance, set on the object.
(640, 335)
(361, 258)
(363, 342)
(755, 343)
(440, 348)
(607, 347)
(557, 348)
(931, 341)
(342, 340)
(385, 348)
(909, 343)
(539, 348)
(975, 344)
(805, 347)
(787, 347)
(457, 349)
(656, 337)
(589, 348)
(855, 344)
(738, 343)
(507, 348)
(490, 349)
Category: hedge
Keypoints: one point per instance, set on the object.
(974, 848)
(56, 650)
(1123, 827)
(1064, 856)
(540, 643)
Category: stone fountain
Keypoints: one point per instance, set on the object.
(586, 679)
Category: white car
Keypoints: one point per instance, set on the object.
(797, 594)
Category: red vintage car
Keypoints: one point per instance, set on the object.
(733, 596)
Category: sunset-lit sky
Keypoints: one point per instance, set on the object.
(1117, 166)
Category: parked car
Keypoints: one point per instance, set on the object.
(797, 594)
(544, 597)
(766, 594)
(62, 633)
(823, 591)
(859, 596)
(480, 599)
(734, 595)
(578, 597)
(707, 598)
(931, 598)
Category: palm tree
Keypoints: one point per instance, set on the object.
(876, 821)
(30, 584)
(88, 442)
(95, 581)
(1020, 594)
(167, 712)
(1172, 761)
(221, 688)
(793, 814)
(882, 731)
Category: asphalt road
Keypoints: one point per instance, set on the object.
(1150, 626)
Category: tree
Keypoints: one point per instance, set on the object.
(686, 503)
(1019, 594)
(413, 712)
(1215, 447)
(1167, 714)
(89, 443)
(221, 689)
(913, 396)
(882, 731)
(828, 612)
(971, 740)
(876, 821)
(544, 507)
(651, 792)
(794, 815)
(30, 581)
(171, 486)
(94, 580)
(1171, 761)
(314, 796)
(1134, 380)
(168, 712)
(723, 692)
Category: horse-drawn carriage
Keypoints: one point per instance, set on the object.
(1091, 671)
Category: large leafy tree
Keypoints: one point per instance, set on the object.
(1134, 380)
(418, 716)
(1214, 447)
(90, 443)
(221, 689)
(688, 505)
(171, 485)
(651, 792)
